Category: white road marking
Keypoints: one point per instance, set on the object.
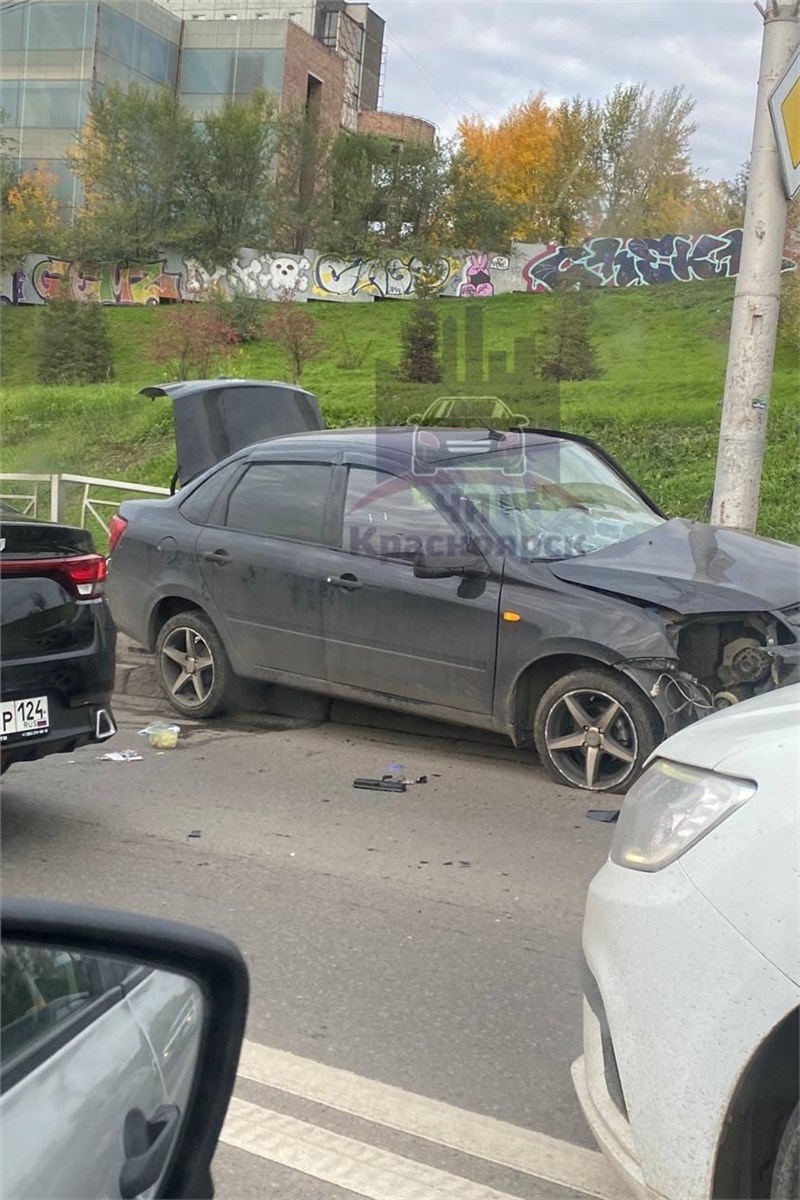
(487, 1138)
(343, 1161)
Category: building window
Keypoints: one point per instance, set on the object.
(137, 47)
(52, 104)
(231, 72)
(48, 26)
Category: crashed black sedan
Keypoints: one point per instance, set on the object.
(518, 581)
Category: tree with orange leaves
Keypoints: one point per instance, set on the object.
(30, 216)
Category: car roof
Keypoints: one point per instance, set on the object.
(396, 440)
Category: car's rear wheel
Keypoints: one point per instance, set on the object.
(786, 1173)
(193, 666)
(594, 729)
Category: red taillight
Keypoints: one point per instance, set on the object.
(83, 574)
(115, 531)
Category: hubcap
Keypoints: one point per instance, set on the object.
(188, 667)
(591, 739)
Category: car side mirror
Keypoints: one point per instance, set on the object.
(445, 566)
(146, 1018)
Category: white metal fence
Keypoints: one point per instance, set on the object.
(81, 499)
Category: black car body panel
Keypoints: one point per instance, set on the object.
(480, 650)
(56, 643)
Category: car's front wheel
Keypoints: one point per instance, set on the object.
(594, 729)
(193, 665)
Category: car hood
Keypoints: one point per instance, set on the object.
(758, 728)
(693, 568)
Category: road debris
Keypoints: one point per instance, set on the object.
(608, 815)
(160, 735)
(121, 756)
(195, 833)
(387, 784)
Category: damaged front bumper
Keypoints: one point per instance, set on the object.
(678, 697)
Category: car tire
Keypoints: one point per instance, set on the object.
(594, 729)
(786, 1172)
(209, 680)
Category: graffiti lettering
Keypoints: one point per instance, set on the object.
(599, 262)
(365, 278)
(631, 262)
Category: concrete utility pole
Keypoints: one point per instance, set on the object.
(754, 324)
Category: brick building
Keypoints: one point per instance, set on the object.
(53, 53)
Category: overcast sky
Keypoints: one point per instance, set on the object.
(448, 57)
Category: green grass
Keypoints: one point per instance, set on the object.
(656, 407)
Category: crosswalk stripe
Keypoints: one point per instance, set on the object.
(471, 1133)
(343, 1161)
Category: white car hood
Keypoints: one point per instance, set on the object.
(745, 732)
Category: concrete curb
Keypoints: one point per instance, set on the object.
(136, 679)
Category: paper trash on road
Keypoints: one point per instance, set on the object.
(121, 756)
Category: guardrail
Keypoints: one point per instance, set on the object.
(53, 497)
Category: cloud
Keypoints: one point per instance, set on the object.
(451, 57)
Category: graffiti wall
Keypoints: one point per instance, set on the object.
(598, 262)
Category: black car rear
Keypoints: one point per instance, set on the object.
(58, 642)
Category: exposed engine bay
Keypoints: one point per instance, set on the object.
(721, 661)
(734, 659)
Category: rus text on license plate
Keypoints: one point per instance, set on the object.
(25, 718)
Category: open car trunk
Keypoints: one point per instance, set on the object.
(215, 417)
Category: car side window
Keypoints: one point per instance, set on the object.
(198, 505)
(286, 500)
(42, 989)
(386, 516)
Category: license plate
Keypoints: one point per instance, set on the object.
(24, 718)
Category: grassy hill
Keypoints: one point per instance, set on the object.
(656, 408)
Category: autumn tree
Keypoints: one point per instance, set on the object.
(132, 157)
(516, 154)
(31, 222)
(192, 340)
(295, 331)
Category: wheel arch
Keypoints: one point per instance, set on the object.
(534, 679)
(762, 1102)
(169, 606)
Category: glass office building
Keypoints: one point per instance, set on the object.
(54, 52)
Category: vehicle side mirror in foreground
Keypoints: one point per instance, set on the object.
(119, 1043)
(444, 566)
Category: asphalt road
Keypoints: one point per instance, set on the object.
(427, 940)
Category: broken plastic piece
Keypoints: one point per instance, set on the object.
(609, 815)
(380, 785)
(194, 833)
(121, 756)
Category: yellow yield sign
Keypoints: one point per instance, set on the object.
(784, 107)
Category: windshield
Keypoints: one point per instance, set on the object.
(563, 502)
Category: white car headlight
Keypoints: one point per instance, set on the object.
(670, 808)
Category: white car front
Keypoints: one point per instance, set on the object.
(689, 1072)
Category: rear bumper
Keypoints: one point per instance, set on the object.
(78, 686)
(70, 728)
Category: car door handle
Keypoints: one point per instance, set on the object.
(220, 557)
(348, 582)
(147, 1145)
